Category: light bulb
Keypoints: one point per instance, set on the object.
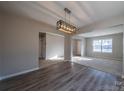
(64, 26)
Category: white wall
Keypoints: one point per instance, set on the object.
(54, 46)
(20, 50)
(123, 53)
(83, 46)
(74, 43)
(79, 47)
(67, 47)
(77, 43)
(0, 46)
(117, 45)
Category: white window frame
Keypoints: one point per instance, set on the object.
(96, 43)
(103, 50)
(101, 45)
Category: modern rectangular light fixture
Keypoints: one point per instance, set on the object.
(64, 26)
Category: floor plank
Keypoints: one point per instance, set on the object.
(62, 76)
(107, 65)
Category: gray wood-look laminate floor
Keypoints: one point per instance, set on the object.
(63, 76)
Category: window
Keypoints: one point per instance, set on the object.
(97, 45)
(102, 45)
(107, 45)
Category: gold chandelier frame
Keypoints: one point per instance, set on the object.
(66, 26)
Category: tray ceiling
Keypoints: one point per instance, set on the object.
(83, 13)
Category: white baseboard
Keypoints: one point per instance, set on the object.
(19, 73)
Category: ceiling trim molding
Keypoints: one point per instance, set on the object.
(102, 24)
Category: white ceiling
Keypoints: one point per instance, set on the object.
(49, 12)
(102, 32)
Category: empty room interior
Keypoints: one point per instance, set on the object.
(61, 46)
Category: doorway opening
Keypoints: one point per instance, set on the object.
(76, 47)
(42, 46)
(51, 49)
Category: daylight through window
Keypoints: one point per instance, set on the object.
(104, 45)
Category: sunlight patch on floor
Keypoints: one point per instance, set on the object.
(81, 58)
(56, 57)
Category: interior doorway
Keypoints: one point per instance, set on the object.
(51, 49)
(76, 47)
(42, 46)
